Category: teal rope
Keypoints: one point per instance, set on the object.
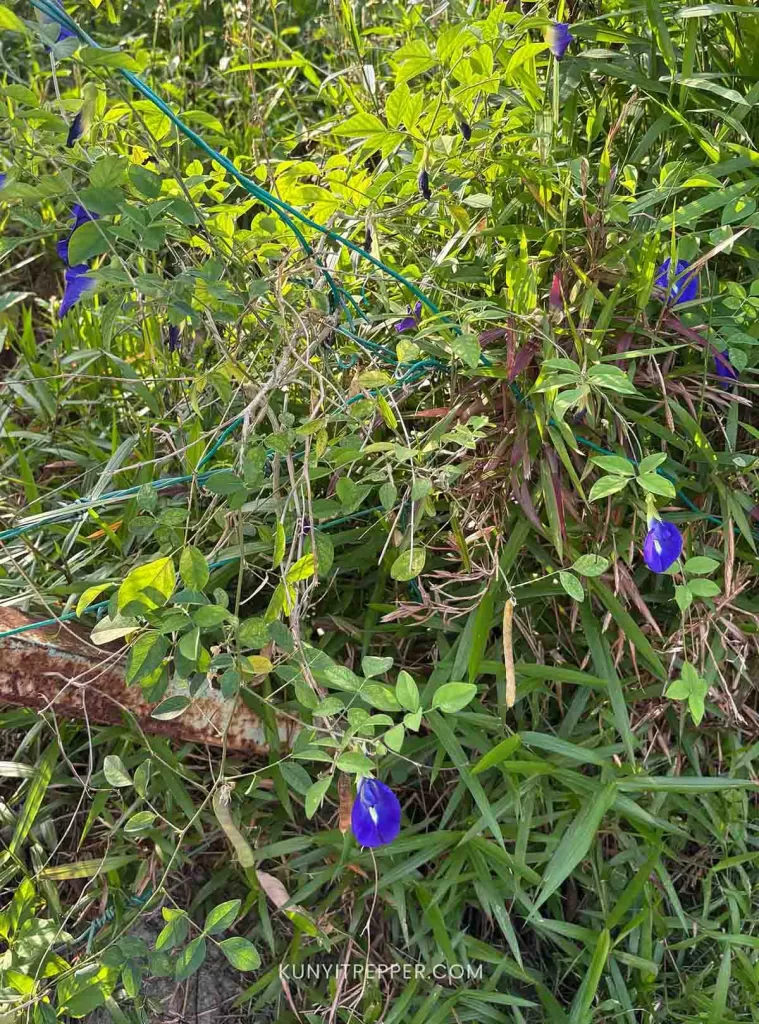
(282, 208)
(91, 609)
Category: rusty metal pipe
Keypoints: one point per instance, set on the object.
(58, 669)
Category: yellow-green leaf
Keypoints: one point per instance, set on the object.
(146, 582)
(10, 21)
(302, 570)
(86, 599)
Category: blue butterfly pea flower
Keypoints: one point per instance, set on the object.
(376, 814)
(558, 38)
(77, 285)
(47, 19)
(83, 120)
(662, 546)
(3, 180)
(75, 131)
(683, 290)
(410, 322)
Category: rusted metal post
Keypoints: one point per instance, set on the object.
(57, 669)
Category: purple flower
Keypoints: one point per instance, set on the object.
(662, 545)
(83, 120)
(558, 38)
(80, 215)
(63, 32)
(410, 322)
(424, 184)
(77, 285)
(3, 180)
(75, 131)
(683, 290)
(376, 814)
(466, 129)
(725, 369)
(174, 338)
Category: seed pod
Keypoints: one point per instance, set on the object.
(344, 791)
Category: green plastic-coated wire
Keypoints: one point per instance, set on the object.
(280, 206)
(100, 605)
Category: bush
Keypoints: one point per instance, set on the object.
(384, 373)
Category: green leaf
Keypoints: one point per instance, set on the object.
(107, 629)
(157, 577)
(591, 565)
(700, 565)
(189, 645)
(575, 842)
(35, 796)
(94, 57)
(452, 697)
(583, 1001)
(651, 462)
(115, 772)
(142, 777)
(393, 738)
(607, 485)
(324, 554)
(170, 708)
(388, 495)
(303, 569)
(87, 241)
(353, 763)
(10, 22)
(413, 721)
(139, 822)
(407, 691)
(409, 564)
(372, 666)
(240, 953)
(147, 182)
(190, 959)
(193, 568)
(210, 615)
(500, 752)
(109, 172)
(362, 125)
(86, 599)
(683, 597)
(222, 917)
(84, 991)
(655, 484)
(679, 690)
(253, 633)
(572, 586)
(175, 930)
(315, 795)
(279, 546)
(615, 464)
(380, 696)
(704, 588)
(145, 655)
